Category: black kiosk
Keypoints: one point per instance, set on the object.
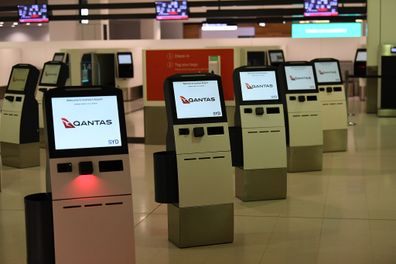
(304, 121)
(88, 174)
(197, 161)
(19, 120)
(261, 169)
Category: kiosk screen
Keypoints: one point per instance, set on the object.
(258, 85)
(50, 74)
(58, 57)
(125, 58)
(361, 55)
(86, 122)
(18, 79)
(300, 77)
(276, 57)
(327, 72)
(197, 99)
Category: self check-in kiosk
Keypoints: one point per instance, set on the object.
(304, 122)
(386, 91)
(53, 75)
(333, 102)
(89, 176)
(259, 123)
(19, 120)
(276, 57)
(200, 211)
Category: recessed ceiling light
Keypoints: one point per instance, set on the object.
(15, 24)
(39, 24)
(262, 24)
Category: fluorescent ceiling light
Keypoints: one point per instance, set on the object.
(218, 27)
(84, 12)
(262, 24)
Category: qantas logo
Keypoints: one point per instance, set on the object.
(74, 124)
(327, 72)
(294, 78)
(258, 86)
(196, 100)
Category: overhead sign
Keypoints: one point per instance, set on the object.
(329, 30)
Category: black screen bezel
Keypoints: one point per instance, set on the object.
(328, 60)
(26, 82)
(357, 53)
(195, 77)
(59, 74)
(237, 85)
(275, 51)
(300, 91)
(83, 92)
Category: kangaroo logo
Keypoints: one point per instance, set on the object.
(184, 100)
(248, 86)
(67, 123)
(292, 78)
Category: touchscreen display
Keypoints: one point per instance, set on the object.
(50, 74)
(86, 122)
(327, 72)
(300, 77)
(361, 56)
(18, 79)
(276, 57)
(58, 57)
(124, 59)
(258, 85)
(197, 99)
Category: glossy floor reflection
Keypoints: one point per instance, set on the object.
(343, 214)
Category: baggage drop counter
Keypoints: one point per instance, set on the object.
(19, 121)
(88, 174)
(304, 121)
(333, 105)
(200, 206)
(261, 166)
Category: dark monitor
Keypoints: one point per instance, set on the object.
(314, 8)
(59, 56)
(18, 79)
(125, 65)
(171, 10)
(276, 57)
(256, 85)
(85, 122)
(256, 58)
(33, 13)
(327, 71)
(361, 55)
(300, 78)
(195, 98)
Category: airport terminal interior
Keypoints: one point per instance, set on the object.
(286, 153)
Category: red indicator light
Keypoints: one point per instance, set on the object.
(86, 183)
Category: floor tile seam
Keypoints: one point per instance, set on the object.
(316, 217)
(147, 215)
(268, 242)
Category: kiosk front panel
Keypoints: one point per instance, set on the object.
(198, 135)
(89, 175)
(304, 121)
(19, 124)
(333, 103)
(260, 118)
(386, 91)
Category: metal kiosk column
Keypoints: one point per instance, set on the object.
(89, 176)
(304, 121)
(333, 103)
(198, 138)
(19, 121)
(260, 123)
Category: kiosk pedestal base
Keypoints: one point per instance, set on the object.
(20, 155)
(200, 226)
(262, 184)
(307, 158)
(335, 140)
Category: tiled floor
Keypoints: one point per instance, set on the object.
(343, 214)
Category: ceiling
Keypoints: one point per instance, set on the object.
(215, 11)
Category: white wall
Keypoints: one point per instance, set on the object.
(9, 57)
